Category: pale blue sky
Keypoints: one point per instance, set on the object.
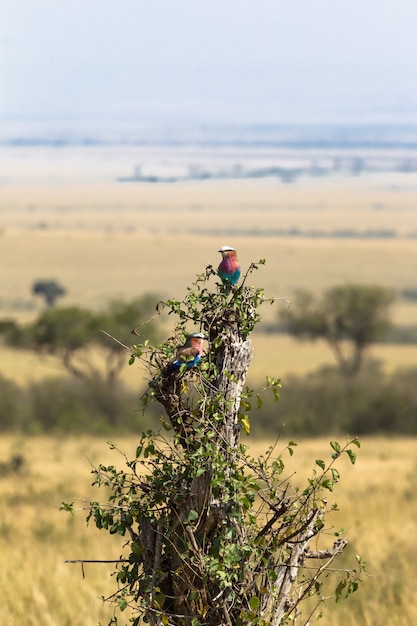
(247, 61)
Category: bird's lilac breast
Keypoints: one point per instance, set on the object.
(229, 265)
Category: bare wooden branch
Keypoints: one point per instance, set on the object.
(337, 548)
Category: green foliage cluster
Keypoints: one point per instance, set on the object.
(70, 405)
(66, 331)
(221, 315)
(50, 290)
(314, 405)
(92, 398)
(348, 317)
(214, 536)
(243, 562)
(374, 403)
(211, 312)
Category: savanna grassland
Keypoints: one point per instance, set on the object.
(105, 240)
(111, 240)
(377, 510)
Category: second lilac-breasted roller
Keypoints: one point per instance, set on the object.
(189, 353)
(229, 268)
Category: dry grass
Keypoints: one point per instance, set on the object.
(112, 240)
(95, 267)
(376, 507)
(107, 241)
(37, 586)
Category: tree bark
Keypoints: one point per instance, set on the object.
(183, 573)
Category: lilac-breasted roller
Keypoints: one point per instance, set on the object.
(229, 268)
(189, 353)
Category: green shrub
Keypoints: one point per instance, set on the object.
(324, 402)
(12, 406)
(73, 406)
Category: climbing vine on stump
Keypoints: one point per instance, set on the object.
(215, 537)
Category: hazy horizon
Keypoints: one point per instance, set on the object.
(185, 65)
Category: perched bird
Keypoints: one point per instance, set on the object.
(229, 268)
(189, 353)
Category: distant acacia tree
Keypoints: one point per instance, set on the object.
(74, 335)
(50, 290)
(348, 318)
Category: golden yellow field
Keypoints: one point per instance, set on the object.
(119, 240)
(108, 240)
(377, 509)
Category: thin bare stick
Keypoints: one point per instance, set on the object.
(96, 561)
(128, 348)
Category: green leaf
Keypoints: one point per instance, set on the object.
(254, 603)
(339, 589)
(159, 600)
(336, 446)
(233, 554)
(321, 464)
(136, 548)
(352, 456)
(245, 405)
(191, 516)
(328, 484)
(245, 423)
(335, 474)
(67, 506)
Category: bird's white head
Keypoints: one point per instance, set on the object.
(225, 249)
